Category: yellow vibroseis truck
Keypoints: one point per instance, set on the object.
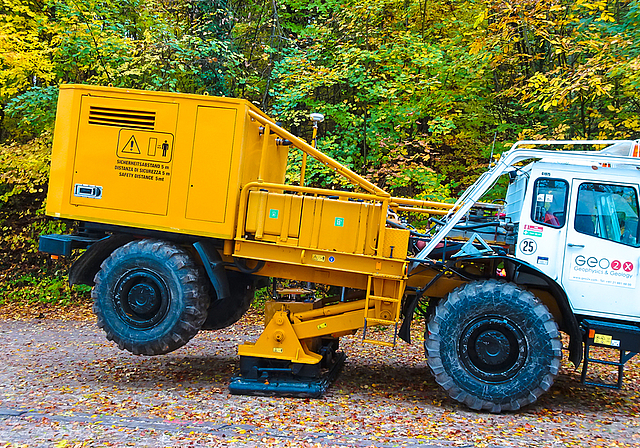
(183, 209)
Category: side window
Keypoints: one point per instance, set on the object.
(550, 202)
(609, 212)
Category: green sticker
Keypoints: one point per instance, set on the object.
(339, 222)
(273, 213)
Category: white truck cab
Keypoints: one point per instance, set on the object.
(571, 222)
(579, 225)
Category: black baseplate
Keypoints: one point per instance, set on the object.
(273, 377)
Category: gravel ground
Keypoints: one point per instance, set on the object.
(62, 384)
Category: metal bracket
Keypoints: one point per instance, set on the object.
(468, 249)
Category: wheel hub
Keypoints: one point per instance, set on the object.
(492, 348)
(141, 298)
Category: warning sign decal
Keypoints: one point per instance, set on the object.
(604, 271)
(131, 147)
(148, 146)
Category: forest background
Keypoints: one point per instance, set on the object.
(417, 94)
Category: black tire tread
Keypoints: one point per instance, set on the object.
(189, 275)
(433, 338)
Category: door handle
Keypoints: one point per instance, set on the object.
(575, 245)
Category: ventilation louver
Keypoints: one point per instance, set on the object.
(122, 118)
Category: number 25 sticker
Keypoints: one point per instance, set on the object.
(528, 246)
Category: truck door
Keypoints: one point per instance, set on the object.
(601, 253)
(542, 232)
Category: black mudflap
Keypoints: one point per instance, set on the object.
(272, 377)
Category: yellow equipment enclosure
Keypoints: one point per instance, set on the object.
(156, 160)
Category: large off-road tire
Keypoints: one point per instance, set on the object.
(224, 312)
(493, 345)
(149, 297)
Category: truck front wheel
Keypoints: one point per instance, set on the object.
(149, 297)
(493, 346)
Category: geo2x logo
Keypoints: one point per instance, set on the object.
(604, 263)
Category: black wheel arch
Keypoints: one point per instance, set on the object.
(231, 291)
(84, 269)
(528, 276)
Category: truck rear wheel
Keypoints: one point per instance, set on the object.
(494, 346)
(224, 312)
(149, 297)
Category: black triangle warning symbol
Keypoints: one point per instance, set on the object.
(131, 147)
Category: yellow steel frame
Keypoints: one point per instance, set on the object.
(288, 335)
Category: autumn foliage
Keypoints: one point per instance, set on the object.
(417, 93)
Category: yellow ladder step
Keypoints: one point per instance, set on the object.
(372, 341)
(374, 321)
(384, 299)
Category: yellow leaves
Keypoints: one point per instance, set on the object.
(632, 123)
(476, 46)
(606, 126)
(598, 5)
(480, 18)
(606, 16)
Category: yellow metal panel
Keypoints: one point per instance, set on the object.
(361, 238)
(396, 242)
(339, 225)
(63, 149)
(306, 224)
(256, 213)
(213, 147)
(318, 258)
(123, 157)
(150, 209)
(275, 156)
(373, 227)
(274, 213)
(314, 274)
(316, 222)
